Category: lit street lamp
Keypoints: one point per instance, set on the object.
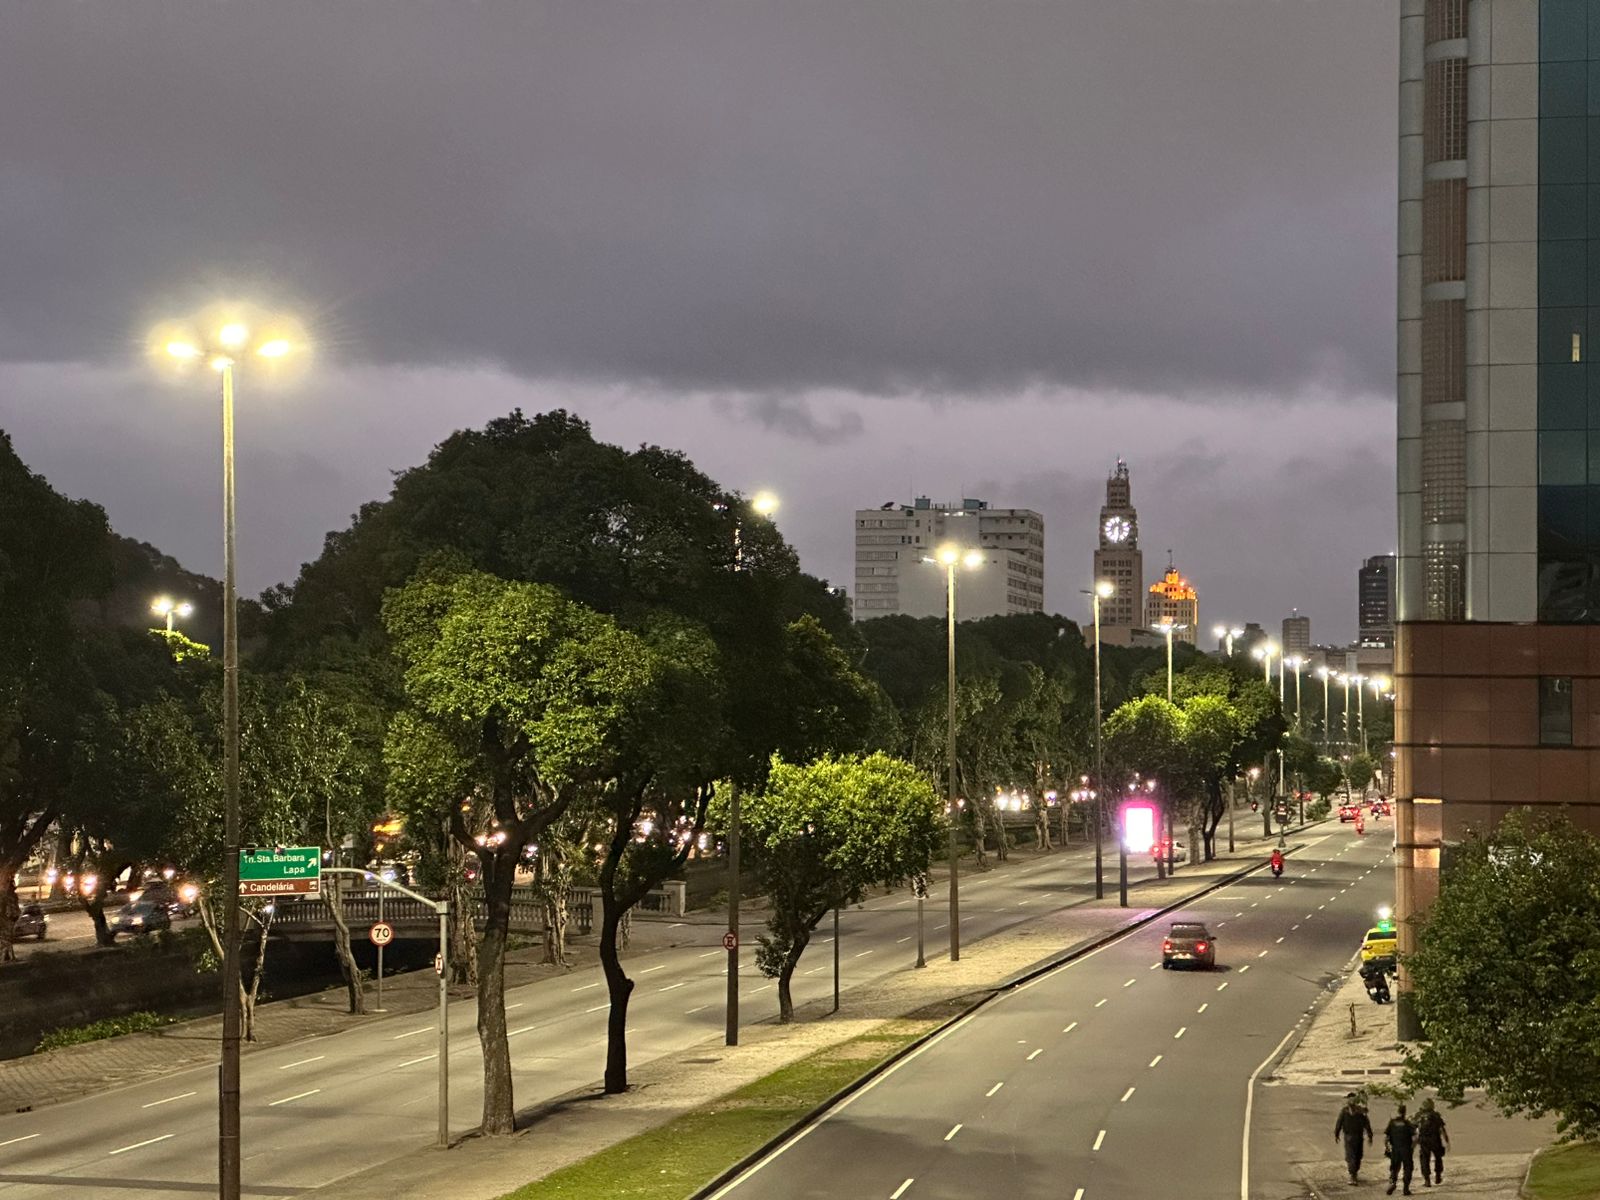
(1324, 674)
(1168, 629)
(222, 341)
(950, 556)
(763, 504)
(1226, 634)
(1104, 589)
(166, 606)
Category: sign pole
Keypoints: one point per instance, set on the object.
(380, 947)
(444, 1023)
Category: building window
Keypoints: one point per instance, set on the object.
(1555, 710)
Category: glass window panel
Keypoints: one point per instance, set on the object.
(1563, 30)
(1556, 327)
(1563, 457)
(1563, 212)
(1594, 209)
(1563, 520)
(1563, 89)
(1563, 399)
(1594, 457)
(1555, 710)
(1563, 150)
(1594, 79)
(1594, 147)
(1563, 275)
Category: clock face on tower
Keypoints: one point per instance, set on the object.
(1117, 529)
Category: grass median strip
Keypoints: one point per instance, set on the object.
(671, 1161)
(1566, 1173)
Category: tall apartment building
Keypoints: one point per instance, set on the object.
(894, 542)
(1296, 639)
(1172, 598)
(1119, 561)
(1375, 601)
(1497, 656)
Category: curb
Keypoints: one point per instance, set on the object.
(1038, 969)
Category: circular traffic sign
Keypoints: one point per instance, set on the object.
(730, 940)
(381, 933)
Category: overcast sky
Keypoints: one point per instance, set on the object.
(853, 251)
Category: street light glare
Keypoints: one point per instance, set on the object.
(1220, 631)
(184, 609)
(973, 559)
(765, 503)
(273, 348)
(183, 350)
(233, 334)
(1105, 589)
(948, 555)
(161, 605)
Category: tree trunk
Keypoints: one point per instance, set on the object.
(790, 961)
(95, 906)
(499, 1112)
(10, 910)
(619, 988)
(341, 948)
(256, 976)
(463, 921)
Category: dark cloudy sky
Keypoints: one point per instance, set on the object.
(853, 251)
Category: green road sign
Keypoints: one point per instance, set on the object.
(281, 871)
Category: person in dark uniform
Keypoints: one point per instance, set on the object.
(1350, 1127)
(1399, 1144)
(1434, 1140)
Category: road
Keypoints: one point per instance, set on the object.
(1108, 1078)
(319, 1110)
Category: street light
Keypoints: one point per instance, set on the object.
(1168, 628)
(763, 504)
(1226, 634)
(950, 556)
(224, 339)
(166, 606)
(1104, 589)
(1265, 652)
(1324, 674)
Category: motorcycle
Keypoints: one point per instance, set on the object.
(1277, 870)
(1376, 981)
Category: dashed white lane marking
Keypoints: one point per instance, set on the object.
(1202, 1008)
(397, 1037)
(1244, 968)
(907, 938)
(1320, 907)
(1182, 1029)
(1222, 985)
(670, 986)
(941, 926)
(1098, 1138)
(293, 1098)
(596, 1008)
(1220, 924)
(657, 967)
(1130, 983)
(1263, 954)
(1293, 927)
(954, 1129)
(1155, 1060)
(1035, 1054)
(994, 1089)
(709, 953)
(586, 987)
(518, 1004)
(901, 1190)
(1255, 904)
(1100, 1001)
(411, 1062)
(864, 953)
(677, 925)
(814, 970)
(691, 1011)
(1238, 914)
(1078, 1195)
(27, 1137)
(146, 1142)
(168, 1100)
(1070, 1028)
(1281, 939)
(1125, 1096)
(1154, 965)
(762, 988)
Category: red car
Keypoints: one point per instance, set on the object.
(1349, 812)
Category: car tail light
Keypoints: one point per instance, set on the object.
(1200, 946)
(1166, 944)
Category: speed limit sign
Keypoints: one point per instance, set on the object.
(381, 934)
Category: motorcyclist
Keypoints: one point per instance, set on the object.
(1376, 981)
(1277, 862)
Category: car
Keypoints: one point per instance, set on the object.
(141, 917)
(1349, 812)
(1380, 945)
(1188, 942)
(31, 922)
(1158, 850)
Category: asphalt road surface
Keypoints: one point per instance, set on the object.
(318, 1110)
(1108, 1078)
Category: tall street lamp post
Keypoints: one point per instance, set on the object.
(1168, 629)
(166, 606)
(1103, 590)
(1324, 674)
(950, 556)
(222, 344)
(1344, 682)
(763, 504)
(1266, 652)
(1226, 634)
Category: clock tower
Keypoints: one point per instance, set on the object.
(1119, 561)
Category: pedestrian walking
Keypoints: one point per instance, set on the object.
(1433, 1139)
(1399, 1144)
(1349, 1128)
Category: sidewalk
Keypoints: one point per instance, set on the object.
(587, 1122)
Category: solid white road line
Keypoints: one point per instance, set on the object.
(955, 1129)
(994, 1089)
(291, 1099)
(1035, 1054)
(147, 1142)
(1070, 1028)
(1099, 1138)
(901, 1190)
(1249, 1106)
(1155, 1060)
(1125, 1096)
(27, 1137)
(1182, 1029)
(170, 1099)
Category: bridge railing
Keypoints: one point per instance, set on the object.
(527, 909)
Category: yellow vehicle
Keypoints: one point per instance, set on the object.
(1379, 943)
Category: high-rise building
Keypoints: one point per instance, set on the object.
(1498, 576)
(1375, 584)
(1172, 599)
(894, 544)
(1296, 638)
(1119, 561)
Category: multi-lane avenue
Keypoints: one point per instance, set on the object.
(318, 1110)
(1108, 1078)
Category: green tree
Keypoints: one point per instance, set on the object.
(1506, 974)
(822, 834)
(518, 700)
(1211, 735)
(1360, 771)
(1144, 737)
